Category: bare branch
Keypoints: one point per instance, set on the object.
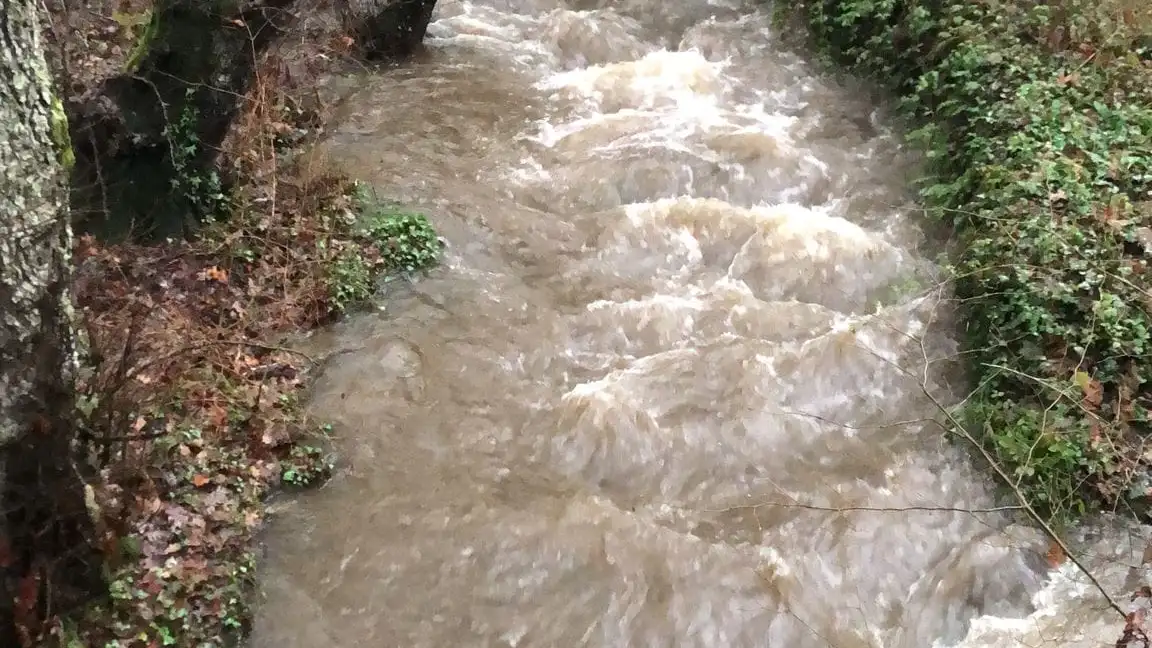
(873, 509)
(955, 427)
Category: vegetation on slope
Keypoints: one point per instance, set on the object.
(190, 399)
(1036, 118)
(193, 406)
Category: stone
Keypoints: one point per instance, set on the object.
(386, 29)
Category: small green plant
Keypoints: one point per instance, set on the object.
(385, 240)
(202, 189)
(405, 240)
(350, 280)
(307, 465)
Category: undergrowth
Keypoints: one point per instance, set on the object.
(1036, 120)
(392, 241)
(190, 398)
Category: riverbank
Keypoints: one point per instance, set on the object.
(190, 397)
(1037, 125)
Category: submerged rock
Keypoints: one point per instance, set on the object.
(387, 28)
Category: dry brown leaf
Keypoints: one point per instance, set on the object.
(218, 416)
(213, 273)
(274, 436)
(1092, 388)
(1094, 394)
(251, 519)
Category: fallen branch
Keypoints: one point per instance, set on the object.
(214, 343)
(955, 427)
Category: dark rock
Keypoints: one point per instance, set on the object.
(137, 131)
(146, 134)
(386, 29)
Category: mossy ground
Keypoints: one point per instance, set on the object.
(1036, 119)
(190, 399)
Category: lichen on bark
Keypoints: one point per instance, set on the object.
(60, 135)
(35, 239)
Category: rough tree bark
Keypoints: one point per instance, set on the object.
(43, 498)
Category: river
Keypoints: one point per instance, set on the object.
(674, 381)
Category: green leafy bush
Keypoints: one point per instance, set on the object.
(405, 239)
(1036, 121)
(387, 240)
(350, 280)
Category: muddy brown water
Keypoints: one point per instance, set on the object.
(672, 384)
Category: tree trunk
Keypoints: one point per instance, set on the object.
(43, 498)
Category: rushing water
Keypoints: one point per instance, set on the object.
(671, 386)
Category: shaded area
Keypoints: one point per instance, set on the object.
(147, 140)
(48, 559)
(387, 28)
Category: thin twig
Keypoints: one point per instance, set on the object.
(204, 345)
(860, 428)
(874, 509)
(955, 427)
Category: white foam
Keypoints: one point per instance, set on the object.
(685, 81)
(1059, 619)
